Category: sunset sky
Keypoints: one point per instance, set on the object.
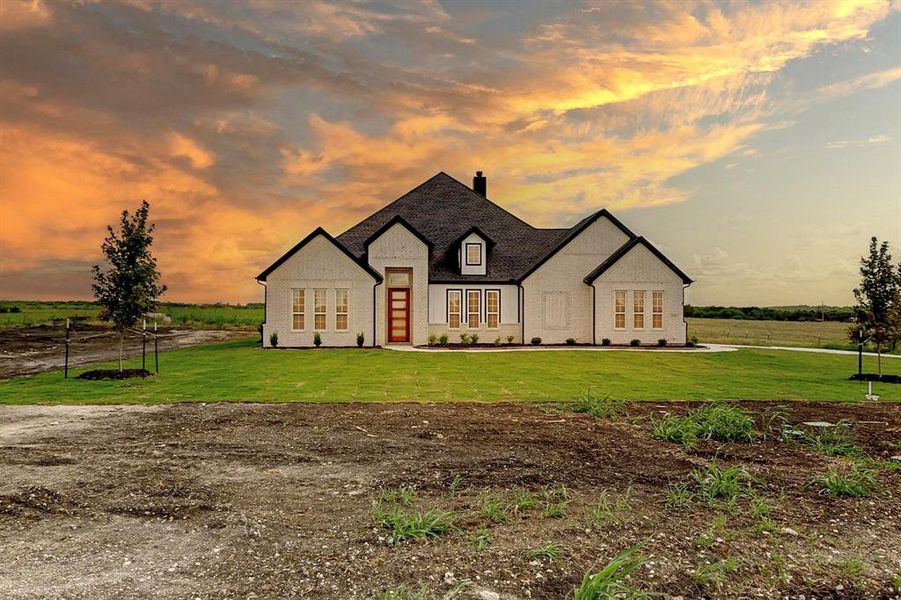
(756, 144)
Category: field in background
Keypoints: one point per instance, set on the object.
(198, 316)
(813, 334)
(240, 371)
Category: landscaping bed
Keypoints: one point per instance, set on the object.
(356, 500)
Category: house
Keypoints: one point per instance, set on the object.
(444, 259)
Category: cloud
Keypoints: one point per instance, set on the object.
(873, 140)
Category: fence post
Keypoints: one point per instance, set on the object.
(860, 359)
(156, 348)
(143, 347)
(66, 368)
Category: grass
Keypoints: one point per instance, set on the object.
(678, 495)
(715, 574)
(856, 483)
(219, 316)
(599, 406)
(548, 552)
(408, 525)
(240, 371)
(404, 593)
(403, 495)
(611, 511)
(494, 508)
(610, 581)
(678, 430)
(714, 483)
(814, 334)
(833, 441)
(716, 421)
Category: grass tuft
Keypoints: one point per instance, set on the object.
(716, 573)
(678, 495)
(712, 421)
(405, 526)
(610, 581)
(599, 406)
(677, 430)
(714, 483)
(403, 495)
(404, 593)
(834, 441)
(494, 508)
(548, 551)
(856, 483)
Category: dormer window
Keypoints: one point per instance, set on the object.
(473, 254)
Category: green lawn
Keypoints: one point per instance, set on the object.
(240, 371)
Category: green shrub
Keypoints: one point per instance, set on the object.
(442, 339)
(465, 340)
(474, 338)
(510, 339)
(635, 343)
(714, 483)
(273, 339)
(606, 342)
(317, 339)
(598, 406)
(661, 342)
(433, 339)
(536, 341)
(405, 526)
(570, 341)
(361, 339)
(694, 340)
(610, 581)
(857, 483)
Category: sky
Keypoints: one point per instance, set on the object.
(755, 143)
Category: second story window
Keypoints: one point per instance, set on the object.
(473, 255)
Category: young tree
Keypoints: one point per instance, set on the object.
(878, 298)
(130, 286)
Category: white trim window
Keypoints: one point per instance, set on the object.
(473, 308)
(341, 309)
(319, 309)
(493, 308)
(657, 309)
(638, 309)
(454, 308)
(297, 310)
(473, 254)
(619, 309)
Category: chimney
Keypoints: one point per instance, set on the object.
(479, 184)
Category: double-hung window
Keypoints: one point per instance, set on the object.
(473, 308)
(638, 309)
(619, 309)
(454, 308)
(341, 309)
(473, 254)
(319, 309)
(657, 309)
(493, 308)
(297, 310)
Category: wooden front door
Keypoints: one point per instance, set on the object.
(398, 314)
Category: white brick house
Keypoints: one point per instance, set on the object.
(443, 259)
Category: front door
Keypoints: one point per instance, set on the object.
(398, 314)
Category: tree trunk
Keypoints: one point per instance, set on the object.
(879, 359)
(121, 339)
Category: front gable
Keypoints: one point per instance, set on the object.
(317, 256)
(638, 261)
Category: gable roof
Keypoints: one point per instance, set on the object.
(395, 221)
(475, 230)
(443, 209)
(625, 249)
(316, 233)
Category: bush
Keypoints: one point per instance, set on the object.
(635, 343)
(694, 340)
(661, 342)
(606, 342)
(465, 340)
(442, 339)
(536, 341)
(317, 339)
(433, 339)
(15, 309)
(360, 339)
(510, 339)
(690, 344)
(474, 338)
(3, 310)
(273, 339)
(570, 342)
(497, 341)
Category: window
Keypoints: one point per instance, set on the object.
(454, 308)
(638, 309)
(619, 309)
(399, 277)
(493, 303)
(341, 302)
(473, 254)
(474, 307)
(319, 309)
(297, 310)
(657, 309)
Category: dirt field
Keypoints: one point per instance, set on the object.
(29, 350)
(276, 501)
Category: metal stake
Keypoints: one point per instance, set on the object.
(143, 347)
(66, 369)
(156, 348)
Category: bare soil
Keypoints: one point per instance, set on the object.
(30, 350)
(276, 501)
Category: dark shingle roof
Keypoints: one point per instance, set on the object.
(443, 209)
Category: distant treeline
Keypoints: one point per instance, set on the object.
(771, 313)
